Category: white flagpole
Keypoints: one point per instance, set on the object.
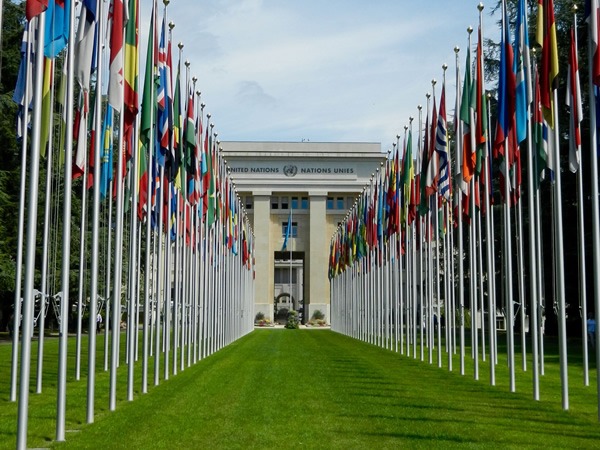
(593, 28)
(28, 299)
(91, 385)
(21, 226)
(61, 389)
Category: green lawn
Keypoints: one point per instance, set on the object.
(315, 389)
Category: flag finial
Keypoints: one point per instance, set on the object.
(480, 6)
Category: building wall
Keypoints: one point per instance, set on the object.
(263, 170)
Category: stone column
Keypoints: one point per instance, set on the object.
(318, 283)
(265, 269)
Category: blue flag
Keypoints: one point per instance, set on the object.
(288, 232)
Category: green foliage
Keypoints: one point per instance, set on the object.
(317, 315)
(292, 320)
(259, 316)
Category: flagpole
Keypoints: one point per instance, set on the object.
(21, 226)
(44, 272)
(575, 143)
(91, 387)
(61, 389)
(459, 215)
(23, 406)
(593, 28)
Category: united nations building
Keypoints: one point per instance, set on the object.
(296, 194)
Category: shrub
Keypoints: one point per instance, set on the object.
(292, 320)
(317, 315)
(259, 316)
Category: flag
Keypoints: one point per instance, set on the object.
(130, 79)
(479, 102)
(190, 148)
(56, 33)
(407, 179)
(433, 166)
(540, 134)
(441, 148)
(162, 100)
(143, 183)
(521, 61)
(85, 44)
(469, 155)
(592, 13)
(106, 168)
(148, 103)
(34, 8)
(288, 232)
(115, 85)
(24, 78)
(46, 124)
(573, 101)
(506, 92)
(546, 38)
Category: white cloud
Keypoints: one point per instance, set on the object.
(335, 70)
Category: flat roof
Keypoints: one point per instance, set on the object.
(277, 148)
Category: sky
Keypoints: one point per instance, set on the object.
(323, 71)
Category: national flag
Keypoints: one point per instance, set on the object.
(546, 38)
(56, 34)
(85, 42)
(424, 197)
(441, 148)
(34, 8)
(162, 100)
(148, 99)
(408, 175)
(592, 14)
(106, 168)
(130, 79)
(573, 101)
(540, 133)
(117, 16)
(177, 158)
(190, 148)
(433, 165)
(47, 118)
(479, 100)
(521, 60)
(506, 92)
(24, 79)
(469, 154)
(143, 183)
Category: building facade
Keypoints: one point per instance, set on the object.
(311, 186)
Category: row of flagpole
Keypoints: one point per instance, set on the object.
(177, 240)
(419, 253)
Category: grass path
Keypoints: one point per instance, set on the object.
(318, 389)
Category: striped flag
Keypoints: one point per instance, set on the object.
(546, 38)
(573, 101)
(592, 13)
(131, 72)
(115, 84)
(441, 148)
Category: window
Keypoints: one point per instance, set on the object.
(282, 275)
(294, 230)
(274, 202)
(285, 203)
(329, 202)
(339, 203)
(294, 202)
(304, 204)
(248, 202)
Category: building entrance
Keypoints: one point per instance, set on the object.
(289, 285)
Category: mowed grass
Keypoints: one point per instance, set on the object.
(315, 389)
